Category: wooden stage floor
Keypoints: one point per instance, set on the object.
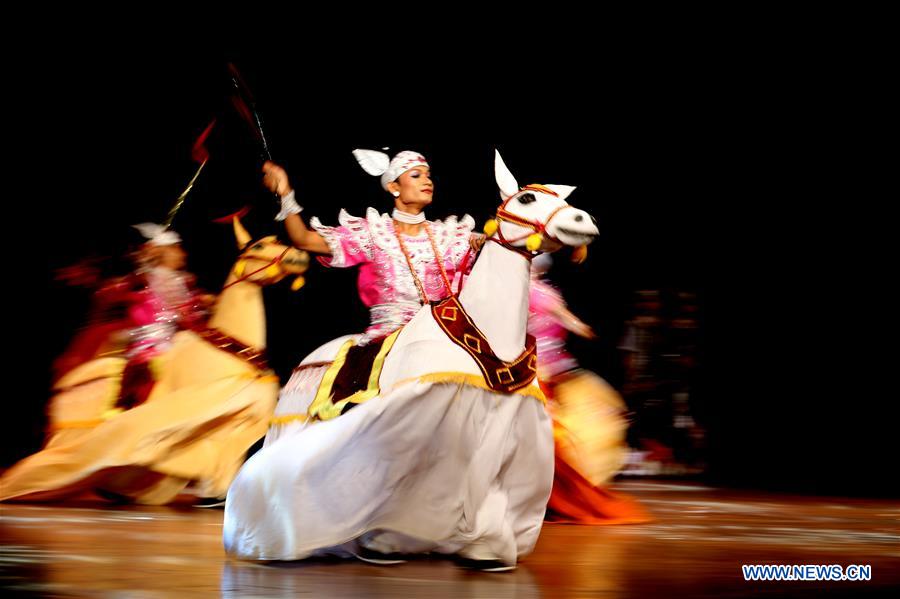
(695, 547)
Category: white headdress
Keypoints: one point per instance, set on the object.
(158, 234)
(378, 163)
(541, 264)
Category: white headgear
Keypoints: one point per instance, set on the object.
(378, 163)
(541, 264)
(158, 234)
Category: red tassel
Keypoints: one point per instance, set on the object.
(227, 219)
(199, 153)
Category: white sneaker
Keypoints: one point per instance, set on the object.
(380, 559)
(205, 502)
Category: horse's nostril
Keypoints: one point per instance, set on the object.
(579, 218)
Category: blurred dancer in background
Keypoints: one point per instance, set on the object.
(589, 422)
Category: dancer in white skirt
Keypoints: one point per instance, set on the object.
(449, 449)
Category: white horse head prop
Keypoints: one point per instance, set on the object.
(537, 217)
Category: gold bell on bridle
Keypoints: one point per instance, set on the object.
(491, 226)
(239, 267)
(298, 283)
(534, 241)
(273, 271)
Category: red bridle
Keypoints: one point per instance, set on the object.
(537, 227)
(272, 262)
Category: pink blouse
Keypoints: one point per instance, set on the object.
(168, 303)
(386, 285)
(544, 301)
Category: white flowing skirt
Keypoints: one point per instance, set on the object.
(297, 395)
(428, 467)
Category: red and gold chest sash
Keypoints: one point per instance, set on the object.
(504, 377)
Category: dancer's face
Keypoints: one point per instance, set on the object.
(416, 189)
(172, 256)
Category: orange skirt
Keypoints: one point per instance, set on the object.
(589, 443)
(574, 500)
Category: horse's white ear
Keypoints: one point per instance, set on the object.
(563, 191)
(505, 180)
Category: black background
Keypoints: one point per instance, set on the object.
(708, 167)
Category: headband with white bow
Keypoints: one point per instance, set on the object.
(158, 234)
(378, 163)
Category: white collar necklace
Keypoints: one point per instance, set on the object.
(406, 217)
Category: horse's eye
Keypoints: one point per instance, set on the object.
(527, 198)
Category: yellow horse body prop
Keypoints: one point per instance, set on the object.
(207, 407)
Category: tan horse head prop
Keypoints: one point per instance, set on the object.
(266, 261)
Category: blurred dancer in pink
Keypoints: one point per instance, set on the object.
(588, 416)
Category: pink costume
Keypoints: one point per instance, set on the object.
(385, 283)
(164, 305)
(545, 300)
